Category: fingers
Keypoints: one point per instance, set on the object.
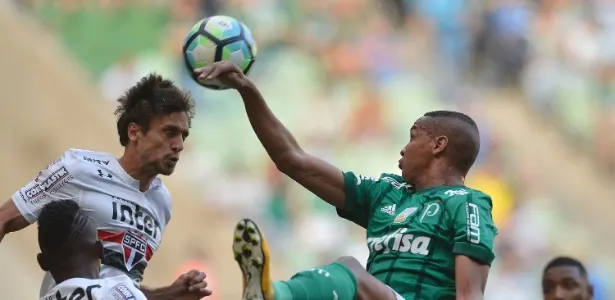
(216, 69)
(190, 276)
(198, 286)
(200, 277)
(205, 72)
(204, 293)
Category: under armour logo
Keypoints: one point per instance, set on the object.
(101, 174)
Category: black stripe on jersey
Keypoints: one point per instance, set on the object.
(419, 282)
(116, 260)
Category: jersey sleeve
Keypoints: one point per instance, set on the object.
(473, 226)
(361, 193)
(56, 182)
(125, 291)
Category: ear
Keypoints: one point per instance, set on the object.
(440, 143)
(590, 290)
(135, 131)
(41, 262)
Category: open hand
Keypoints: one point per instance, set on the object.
(225, 72)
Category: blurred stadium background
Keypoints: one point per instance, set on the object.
(348, 77)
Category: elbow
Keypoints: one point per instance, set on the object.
(291, 162)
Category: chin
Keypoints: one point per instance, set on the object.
(407, 176)
(167, 172)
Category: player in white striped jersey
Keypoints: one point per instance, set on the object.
(71, 252)
(125, 197)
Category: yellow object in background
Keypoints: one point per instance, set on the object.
(501, 195)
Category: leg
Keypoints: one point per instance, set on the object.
(368, 286)
(252, 255)
(344, 279)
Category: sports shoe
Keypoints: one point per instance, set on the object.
(252, 255)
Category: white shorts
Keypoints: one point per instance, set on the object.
(397, 296)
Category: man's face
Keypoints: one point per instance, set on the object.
(566, 283)
(417, 154)
(159, 148)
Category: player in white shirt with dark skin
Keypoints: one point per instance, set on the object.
(129, 203)
(71, 252)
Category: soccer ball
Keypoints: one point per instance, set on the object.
(215, 39)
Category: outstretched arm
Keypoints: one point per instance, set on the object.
(11, 219)
(316, 175)
(191, 285)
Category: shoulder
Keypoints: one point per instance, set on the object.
(124, 290)
(456, 196)
(384, 180)
(87, 157)
(120, 287)
(78, 163)
(393, 180)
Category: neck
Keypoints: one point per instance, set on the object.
(434, 177)
(86, 271)
(131, 165)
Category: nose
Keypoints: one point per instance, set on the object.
(403, 150)
(560, 293)
(177, 145)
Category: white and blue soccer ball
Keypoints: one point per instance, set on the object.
(215, 39)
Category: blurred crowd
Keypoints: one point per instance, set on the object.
(360, 72)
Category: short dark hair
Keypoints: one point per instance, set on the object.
(565, 261)
(56, 227)
(152, 96)
(464, 138)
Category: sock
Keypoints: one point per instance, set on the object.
(327, 282)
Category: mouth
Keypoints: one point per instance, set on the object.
(399, 164)
(173, 159)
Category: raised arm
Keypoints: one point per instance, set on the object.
(316, 175)
(11, 219)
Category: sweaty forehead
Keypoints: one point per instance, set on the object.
(563, 272)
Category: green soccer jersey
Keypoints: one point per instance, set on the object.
(413, 237)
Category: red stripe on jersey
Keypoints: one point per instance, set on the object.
(110, 236)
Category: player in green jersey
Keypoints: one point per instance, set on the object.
(429, 236)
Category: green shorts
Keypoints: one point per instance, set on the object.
(334, 281)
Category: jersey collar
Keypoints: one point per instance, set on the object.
(134, 182)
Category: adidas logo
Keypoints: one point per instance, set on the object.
(389, 209)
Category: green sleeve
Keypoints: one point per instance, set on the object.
(473, 226)
(361, 191)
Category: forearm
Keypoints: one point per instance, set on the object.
(478, 295)
(164, 293)
(2, 232)
(274, 136)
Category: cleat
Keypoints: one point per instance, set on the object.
(252, 254)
